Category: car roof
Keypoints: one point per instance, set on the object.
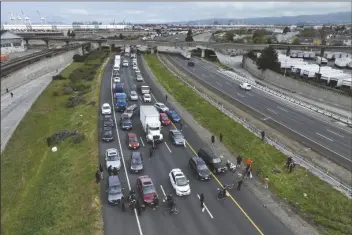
(114, 180)
(158, 103)
(133, 106)
(176, 131)
(131, 135)
(145, 179)
(146, 94)
(106, 104)
(163, 115)
(172, 111)
(177, 173)
(134, 92)
(136, 154)
(107, 128)
(198, 160)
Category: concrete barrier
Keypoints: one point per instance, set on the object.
(37, 69)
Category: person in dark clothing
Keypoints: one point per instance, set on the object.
(239, 160)
(110, 170)
(155, 201)
(151, 151)
(138, 208)
(166, 97)
(220, 137)
(181, 126)
(263, 135)
(97, 176)
(7, 90)
(123, 206)
(101, 169)
(201, 199)
(289, 160)
(114, 171)
(212, 139)
(239, 184)
(11, 94)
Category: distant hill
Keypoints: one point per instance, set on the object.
(331, 18)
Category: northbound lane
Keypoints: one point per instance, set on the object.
(221, 216)
(330, 140)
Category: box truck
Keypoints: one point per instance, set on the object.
(151, 123)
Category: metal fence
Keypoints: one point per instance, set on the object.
(279, 146)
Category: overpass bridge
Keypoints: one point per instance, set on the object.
(195, 44)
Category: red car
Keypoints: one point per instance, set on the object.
(164, 119)
(132, 141)
(146, 189)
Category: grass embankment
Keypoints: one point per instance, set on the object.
(327, 208)
(54, 193)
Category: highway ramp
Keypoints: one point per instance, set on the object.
(221, 216)
(332, 140)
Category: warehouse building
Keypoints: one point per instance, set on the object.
(11, 43)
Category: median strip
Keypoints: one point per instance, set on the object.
(309, 196)
(54, 192)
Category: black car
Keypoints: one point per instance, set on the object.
(214, 162)
(125, 122)
(107, 134)
(108, 120)
(136, 162)
(200, 168)
(190, 63)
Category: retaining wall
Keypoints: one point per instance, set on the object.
(37, 69)
(299, 87)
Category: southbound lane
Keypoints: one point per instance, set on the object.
(328, 139)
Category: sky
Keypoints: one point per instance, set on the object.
(162, 12)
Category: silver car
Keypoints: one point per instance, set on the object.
(130, 111)
(133, 96)
(177, 137)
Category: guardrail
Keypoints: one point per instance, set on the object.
(337, 117)
(279, 146)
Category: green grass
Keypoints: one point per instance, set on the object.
(325, 207)
(53, 193)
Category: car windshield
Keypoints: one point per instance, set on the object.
(178, 135)
(216, 160)
(115, 190)
(154, 128)
(136, 160)
(147, 96)
(161, 106)
(129, 111)
(202, 167)
(106, 107)
(164, 118)
(182, 181)
(133, 139)
(133, 93)
(113, 157)
(120, 100)
(148, 189)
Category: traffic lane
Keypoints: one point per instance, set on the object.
(168, 157)
(267, 107)
(254, 209)
(213, 69)
(114, 219)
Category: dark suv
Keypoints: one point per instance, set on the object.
(200, 168)
(214, 162)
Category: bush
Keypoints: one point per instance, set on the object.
(67, 90)
(80, 86)
(55, 93)
(92, 103)
(73, 101)
(79, 58)
(77, 138)
(58, 77)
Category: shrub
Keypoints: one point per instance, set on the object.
(79, 58)
(58, 77)
(67, 90)
(56, 93)
(73, 101)
(92, 103)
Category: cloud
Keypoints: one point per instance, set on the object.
(133, 12)
(78, 11)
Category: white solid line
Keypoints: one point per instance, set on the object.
(142, 141)
(239, 94)
(206, 208)
(167, 147)
(162, 189)
(154, 98)
(324, 137)
(227, 83)
(282, 109)
(219, 83)
(272, 111)
(335, 133)
(123, 159)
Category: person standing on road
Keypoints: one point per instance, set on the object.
(166, 97)
(181, 125)
(101, 169)
(155, 202)
(249, 162)
(151, 150)
(7, 90)
(97, 176)
(138, 208)
(114, 171)
(11, 94)
(266, 182)
(123, 207)
(220, 137)
(239, 184)
(239, 161)
(110, 170)
(212, 139)
(201, 199)
(263, 135)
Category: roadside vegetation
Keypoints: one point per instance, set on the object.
(45, 192)
(309, 196)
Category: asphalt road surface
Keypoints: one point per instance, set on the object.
(333, 140)
(243, 214)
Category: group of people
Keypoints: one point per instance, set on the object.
(7, 91)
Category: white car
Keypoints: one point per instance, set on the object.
(139, 78)
(117, 79)
(147, 98)
(106, 109)
(138, 71)
(161, 107)
(125, 63)
(112, 158)
(179, 182)
(133, 95)
(246, 86)
(135, 67)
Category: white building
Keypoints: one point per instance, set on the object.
(287, 37)
(11, 43)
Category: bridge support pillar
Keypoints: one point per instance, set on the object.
(47, 43)
(27, 44)
(322, 51)
(99, 46)
(67, 43)
(288, 51)
(152, 50)
(83, 48)
(203, 53)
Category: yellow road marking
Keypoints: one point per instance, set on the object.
(232, 198)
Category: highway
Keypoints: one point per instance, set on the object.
(331, 140)
(221, 217)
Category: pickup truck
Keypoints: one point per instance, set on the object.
(120, 102)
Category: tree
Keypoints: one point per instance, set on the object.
(189, 37)
(259, 36)
(286, 30)
(229, 35)
(296, 41)
(268, 60)
(251, 55)
(121, 36)
(69, 33)
(72, 34)
(158, 31)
